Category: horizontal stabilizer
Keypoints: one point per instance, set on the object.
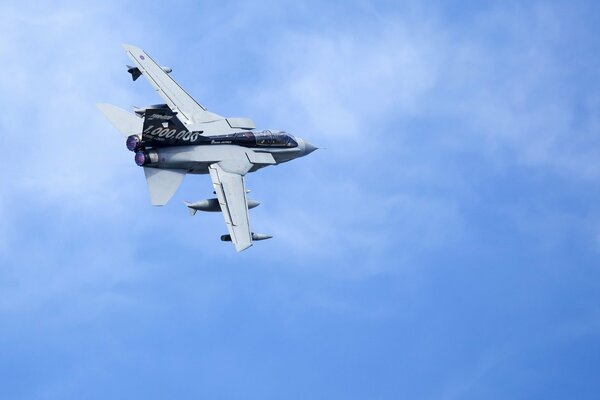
(163, 183)
(125, 122)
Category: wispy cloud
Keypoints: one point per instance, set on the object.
(459, 175)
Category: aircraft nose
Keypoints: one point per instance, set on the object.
(309, 148)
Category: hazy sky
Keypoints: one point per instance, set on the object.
(445, 245)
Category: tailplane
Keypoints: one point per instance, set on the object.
(163, 183)
(125, 122)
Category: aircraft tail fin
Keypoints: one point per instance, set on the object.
(163, 127)
(125, 122)
(163, 183)
(163, 118)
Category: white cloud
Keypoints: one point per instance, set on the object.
(78, 239)
(351, 82)
(353, 88)
(504, 85)
(499, 90)
(64, 166)
(520, 95)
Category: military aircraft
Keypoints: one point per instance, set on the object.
(182, 137)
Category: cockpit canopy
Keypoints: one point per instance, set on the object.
(274, 139)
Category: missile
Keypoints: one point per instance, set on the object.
(255, 237)
(212, 205)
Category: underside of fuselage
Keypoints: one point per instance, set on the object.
(202, 168)
(197, 159)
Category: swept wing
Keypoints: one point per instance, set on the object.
(173, 94)
(231, 194)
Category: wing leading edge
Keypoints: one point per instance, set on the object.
(173, 94)
(231, 193)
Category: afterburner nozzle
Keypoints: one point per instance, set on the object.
(133, 142)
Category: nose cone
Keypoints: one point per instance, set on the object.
(309, 148)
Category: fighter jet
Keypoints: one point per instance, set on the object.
(182, 137)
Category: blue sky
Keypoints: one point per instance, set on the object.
(445, 245)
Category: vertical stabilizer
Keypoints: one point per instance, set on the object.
(163, 128)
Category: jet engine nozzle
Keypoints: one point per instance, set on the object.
(143, 158)
(255, 237)
(133, 143)
(212, 205)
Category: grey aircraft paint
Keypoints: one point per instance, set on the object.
(179, 137)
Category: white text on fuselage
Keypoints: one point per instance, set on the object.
(166, 133)
(160, 116)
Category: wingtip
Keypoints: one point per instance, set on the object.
(242, 248)
(105, 106)
(130, 47)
